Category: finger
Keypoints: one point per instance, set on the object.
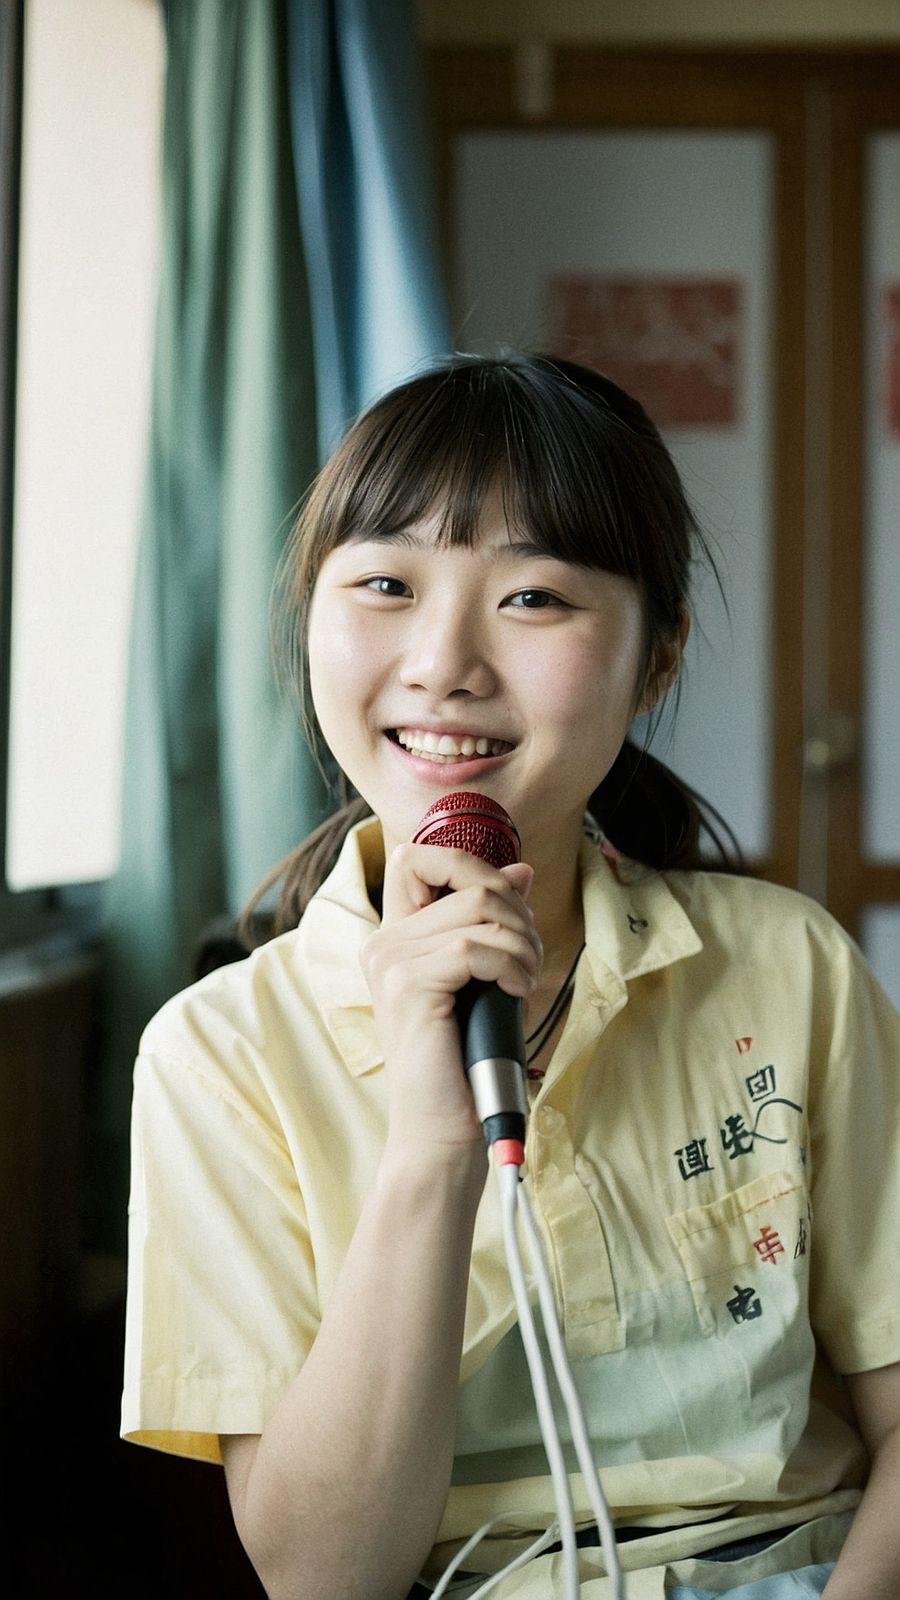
(417, 874)
(521, 876)
(465, 910)
(512, 963)
(439, 965)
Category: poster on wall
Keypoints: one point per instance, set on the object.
(675, 343)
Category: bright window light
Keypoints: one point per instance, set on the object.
(87, 284)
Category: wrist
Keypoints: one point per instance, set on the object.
(454, 1170)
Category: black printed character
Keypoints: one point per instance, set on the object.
(745, 1305)
(693, 1159)
(736, 1137)
(761, 1083)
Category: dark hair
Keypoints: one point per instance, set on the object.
(584, 473)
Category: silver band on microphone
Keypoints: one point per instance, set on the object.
(498, 1087)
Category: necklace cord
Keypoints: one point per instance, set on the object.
(544, 1029)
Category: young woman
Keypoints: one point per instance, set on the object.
(489, 581)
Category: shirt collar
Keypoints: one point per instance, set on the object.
(633, 925)
(334, 927)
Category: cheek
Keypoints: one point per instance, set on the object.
(567, 693)
(343, 669)
(316, 653)
(591, 692)
(330, 657)
(332, 642)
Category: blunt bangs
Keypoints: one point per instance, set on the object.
(581, 470)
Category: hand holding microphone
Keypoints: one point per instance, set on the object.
(489, 1019)
(450, 916)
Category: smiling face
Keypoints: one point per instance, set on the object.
(493, 667)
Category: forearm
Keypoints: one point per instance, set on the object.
(869, 1564)
(351, 1473)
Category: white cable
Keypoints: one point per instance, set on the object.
(460, 1556)
(509, 1187)
(533, 1550)
(580, 1437)
(549, 1536)
(515, 1199)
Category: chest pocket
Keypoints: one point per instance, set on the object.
(746, 1256)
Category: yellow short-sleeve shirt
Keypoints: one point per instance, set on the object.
(712, 1158)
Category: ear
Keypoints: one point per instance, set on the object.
(665, 666)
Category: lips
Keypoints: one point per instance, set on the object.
(449, 746)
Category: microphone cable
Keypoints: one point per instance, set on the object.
(516, 1200)
(516, 1206)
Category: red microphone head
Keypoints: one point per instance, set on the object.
(472, 822)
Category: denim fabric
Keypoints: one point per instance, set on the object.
(807, 1583)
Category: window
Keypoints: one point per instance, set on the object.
(88, 234)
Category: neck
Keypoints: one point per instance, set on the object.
(555, 897)
(559, 920)
(555, 901)
(560, 923)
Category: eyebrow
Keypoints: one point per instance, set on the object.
(498, 552)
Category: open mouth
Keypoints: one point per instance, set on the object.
(447, 747)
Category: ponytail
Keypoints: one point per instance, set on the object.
(652, 816)
(300, 873)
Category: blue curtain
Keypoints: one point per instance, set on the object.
(298, 279)
(361, 157)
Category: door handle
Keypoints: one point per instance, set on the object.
(830, 742)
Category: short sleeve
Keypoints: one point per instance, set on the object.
(221, 1305)
(854, 1160)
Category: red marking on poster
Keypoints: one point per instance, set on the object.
(744, 1044)
(675, 343)
(892, 359)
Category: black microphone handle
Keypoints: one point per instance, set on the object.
(493, 1045)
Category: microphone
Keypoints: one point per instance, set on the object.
(490, 1020)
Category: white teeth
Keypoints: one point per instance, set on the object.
(444, 747)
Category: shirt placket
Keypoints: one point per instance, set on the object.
(571, 1226)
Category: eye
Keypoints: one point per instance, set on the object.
(394, 588)
(534, 600)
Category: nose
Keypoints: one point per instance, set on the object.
(447, 651)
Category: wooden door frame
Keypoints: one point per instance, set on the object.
(864, 101)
